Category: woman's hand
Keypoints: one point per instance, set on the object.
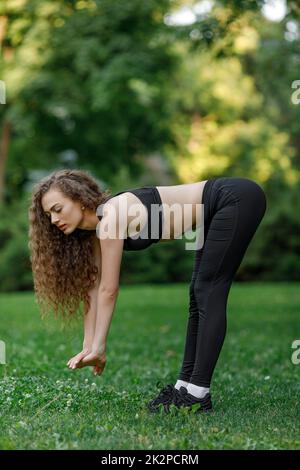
(74, 360)
(97, 359)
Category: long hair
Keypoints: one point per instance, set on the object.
(63, 266)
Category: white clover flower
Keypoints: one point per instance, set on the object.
(23, 424)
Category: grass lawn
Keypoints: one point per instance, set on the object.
(255, 387)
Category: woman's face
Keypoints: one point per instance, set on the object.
(66, 214)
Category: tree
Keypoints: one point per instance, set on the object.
(91, 76)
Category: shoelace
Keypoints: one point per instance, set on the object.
(165, 394)
(178, 398)
(170, 393)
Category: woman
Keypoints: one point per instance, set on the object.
(71, 262)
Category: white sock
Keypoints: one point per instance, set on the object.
(197, 391)
(181, 383)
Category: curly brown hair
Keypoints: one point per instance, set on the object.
(63, 267)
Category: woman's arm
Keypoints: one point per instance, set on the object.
(106, 302)
(107, 293)
(89, 321)
(111, 258)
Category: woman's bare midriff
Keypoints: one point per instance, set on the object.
(181, 194)
(191, 193)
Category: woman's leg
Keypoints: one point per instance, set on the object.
(236, 208)
(192, 327)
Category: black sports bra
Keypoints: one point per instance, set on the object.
(148, 195)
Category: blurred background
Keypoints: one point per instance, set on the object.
(155, 92)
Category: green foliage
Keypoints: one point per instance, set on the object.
(225, 123)
(114, 82)
(15, 267)
(280, 242)
(164, 262)
(90, 76)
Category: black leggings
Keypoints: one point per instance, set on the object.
(233, 210)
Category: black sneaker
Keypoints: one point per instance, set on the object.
(167, 396)
(185, 399)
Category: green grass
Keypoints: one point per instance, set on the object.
(255, 387)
